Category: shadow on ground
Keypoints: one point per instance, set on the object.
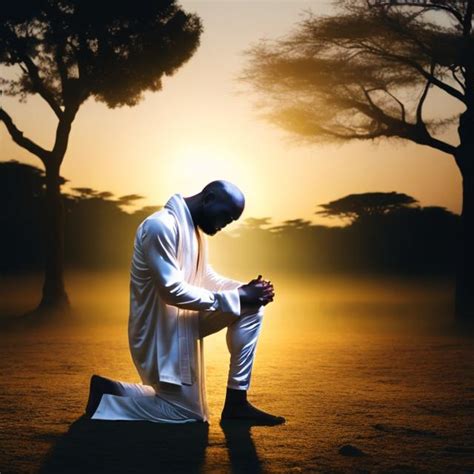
(124, 446)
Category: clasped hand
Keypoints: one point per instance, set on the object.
(256, 292)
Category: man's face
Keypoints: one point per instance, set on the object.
(216, 214)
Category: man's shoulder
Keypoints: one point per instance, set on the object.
(160, 221)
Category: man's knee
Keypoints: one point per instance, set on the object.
(256, 311)
(251, 309)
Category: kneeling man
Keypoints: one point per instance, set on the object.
(176, 300)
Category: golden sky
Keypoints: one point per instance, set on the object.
(199, 128)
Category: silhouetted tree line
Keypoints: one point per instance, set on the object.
(67, 52)
(371, 71)
(387, 232)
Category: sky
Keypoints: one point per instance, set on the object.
(203, 126)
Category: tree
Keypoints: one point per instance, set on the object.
(129, 199)
(360, 206)
(366, 74)
(67, 51)
(293, 225)
(255, 223)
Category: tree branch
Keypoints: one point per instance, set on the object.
(356, 136)
(19, 139)
(400, 103)
(419, 108)
(377, 111)
(456, 78)
(437, 6)
(393, 127)
(62, 70)
(434, 80)
(62, 133)
(412, 133)
(440, 145)
(33, 74)
(401, 59)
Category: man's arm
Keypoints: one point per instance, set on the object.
(217, 282)
(159, 245)
(248, 296)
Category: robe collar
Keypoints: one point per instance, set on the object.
(176, 201)
(177, 205)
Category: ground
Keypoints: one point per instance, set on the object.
(368, 372)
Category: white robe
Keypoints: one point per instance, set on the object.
(170, 281)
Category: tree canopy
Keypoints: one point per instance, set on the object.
(357, 206)
(69, 50)
(365, 72)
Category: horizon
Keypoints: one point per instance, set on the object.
(118, 149)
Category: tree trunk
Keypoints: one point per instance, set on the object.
(54, 293)
(464, 308)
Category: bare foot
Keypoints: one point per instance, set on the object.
(98, 386)
(246, 411)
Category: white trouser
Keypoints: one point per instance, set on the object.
(241, 337)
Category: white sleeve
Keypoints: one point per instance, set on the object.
(217, 282)
(159, 245)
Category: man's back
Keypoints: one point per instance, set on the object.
(151, 324)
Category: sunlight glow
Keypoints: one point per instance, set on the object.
(193, 165)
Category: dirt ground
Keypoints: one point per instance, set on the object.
(368, 373)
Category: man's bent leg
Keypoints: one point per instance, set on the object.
(102, 385)
(211, 322)
(242, 337)
(129, 389)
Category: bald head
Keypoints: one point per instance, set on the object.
(227, 192)
(218, 204)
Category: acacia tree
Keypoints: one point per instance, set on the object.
(361, 206)
(366, 73)
(67, 51)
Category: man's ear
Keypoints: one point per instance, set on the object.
(209, 197)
